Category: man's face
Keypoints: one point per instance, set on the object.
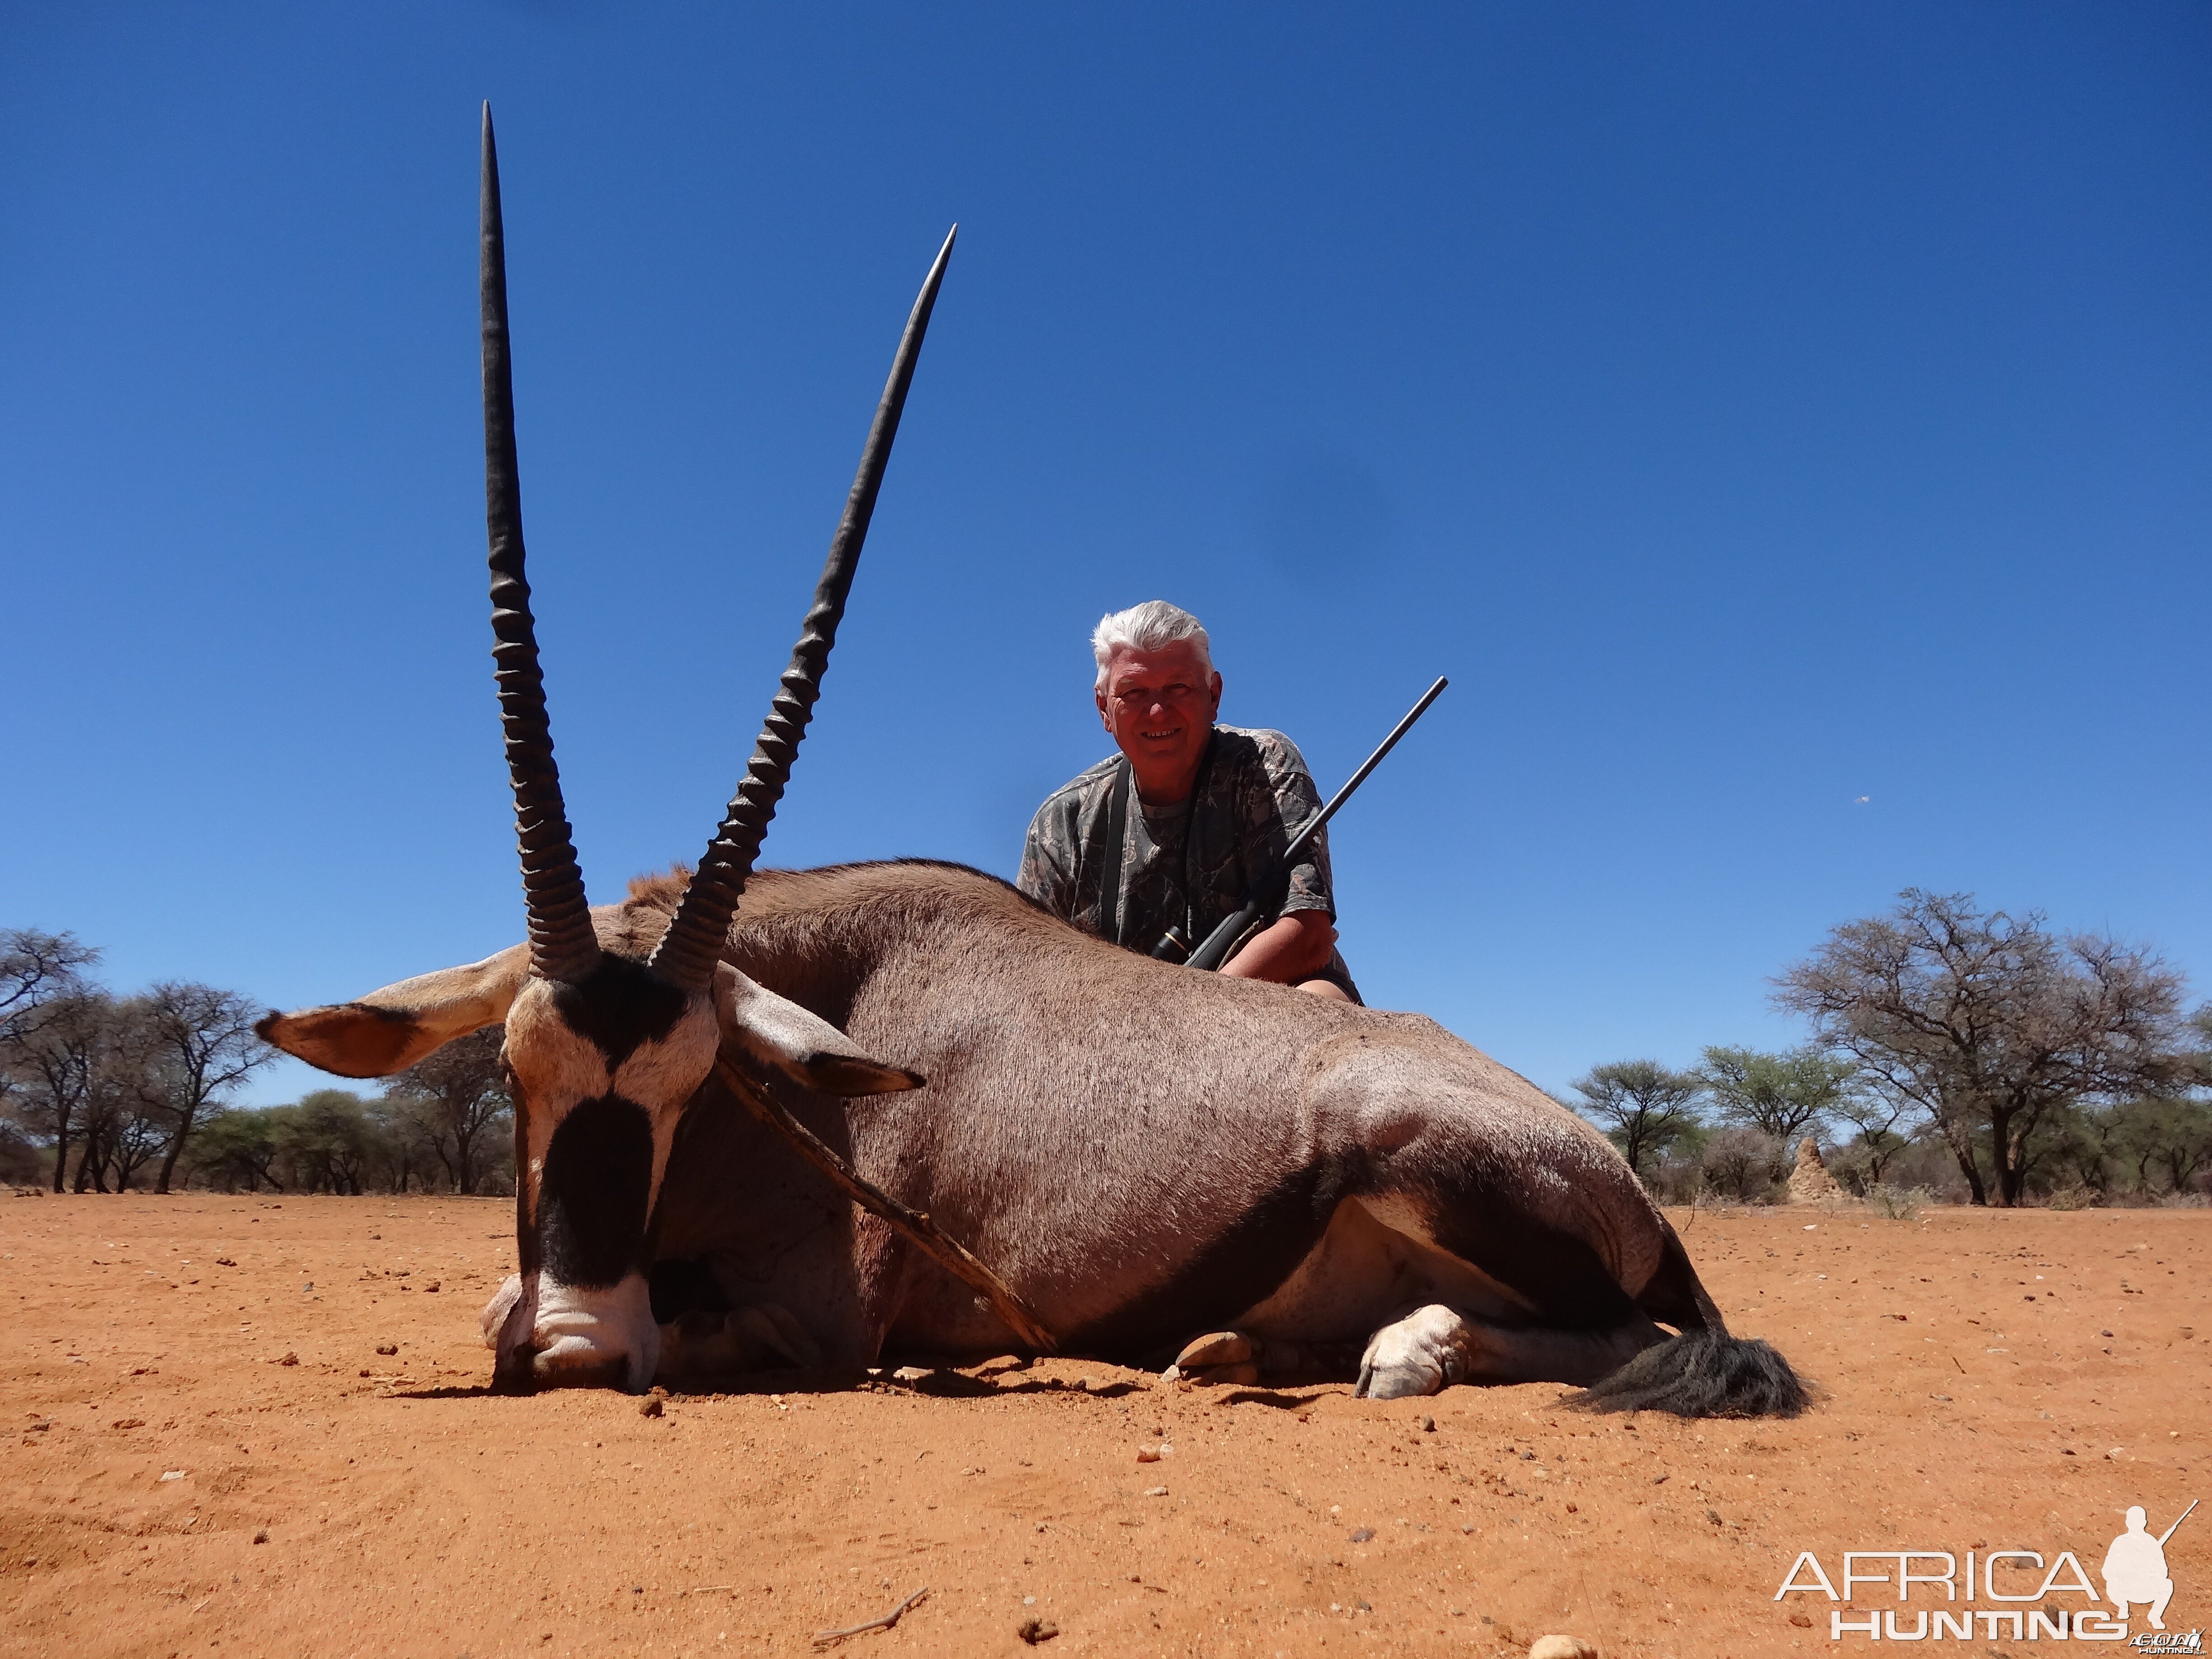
(1160, 705)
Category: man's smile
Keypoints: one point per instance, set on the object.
(1159, 704)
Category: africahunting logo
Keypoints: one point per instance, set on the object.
(2029, 1596)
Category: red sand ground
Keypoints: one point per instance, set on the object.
(1974, 1402)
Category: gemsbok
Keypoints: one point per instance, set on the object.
(1165, 1165)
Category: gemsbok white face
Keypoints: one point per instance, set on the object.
(605, 1046)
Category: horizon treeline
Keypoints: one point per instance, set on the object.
(1961, 1055)
(101, 1092)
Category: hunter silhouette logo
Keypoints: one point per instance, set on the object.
(2035, 1596)
(2134, 1567)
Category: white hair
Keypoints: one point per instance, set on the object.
(1146, 626)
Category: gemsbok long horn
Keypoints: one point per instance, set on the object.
(688, 950)
(563, 946)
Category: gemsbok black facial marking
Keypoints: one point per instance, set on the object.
(620, 1005)
(594, 1193)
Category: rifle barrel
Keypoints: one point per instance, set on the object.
(1210, 954)
(2176, 1527)
(1299, 842)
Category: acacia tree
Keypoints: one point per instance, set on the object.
(35, 968)
(121, 1132)
(1989, 1023)
(126, 1080)
(233, 1146)
(459, 1096)
(1643, 1107)
(41, 974)
(136, 1137)
(2169, 1135)
(1778, 1095)
(406, 1144)
(201, 1045)
(91, 1066)
(327, 1142)
(57, 1061)
(1874, 1116)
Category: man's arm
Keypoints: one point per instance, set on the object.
(1285, 800)
(1042, 877)
(1293, 947)
(1302, 938)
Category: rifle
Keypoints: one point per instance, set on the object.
(2178, 1520)
(1214, 951)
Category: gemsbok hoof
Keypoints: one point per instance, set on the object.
(567, 1336)
(1217, 1359)
(1424, 1352)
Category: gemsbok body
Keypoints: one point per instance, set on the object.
(1165, 1165)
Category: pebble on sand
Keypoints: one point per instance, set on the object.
(1562, 1647)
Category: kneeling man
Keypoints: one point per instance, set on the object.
(1168, 837)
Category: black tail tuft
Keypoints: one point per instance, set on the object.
(1702, 1374)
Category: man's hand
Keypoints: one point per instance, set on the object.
(1292, 947)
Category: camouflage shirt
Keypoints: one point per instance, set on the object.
(1189, 867)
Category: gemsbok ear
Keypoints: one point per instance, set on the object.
(807, 1049)
(388, 1030)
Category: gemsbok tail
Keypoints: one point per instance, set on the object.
(1703, 1373)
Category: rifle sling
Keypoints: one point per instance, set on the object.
(1110, 919)
(1110, 850)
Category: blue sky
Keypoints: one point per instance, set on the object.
(1787, 425)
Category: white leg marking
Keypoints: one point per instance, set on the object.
(1424, 1352)
(583, 1335)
